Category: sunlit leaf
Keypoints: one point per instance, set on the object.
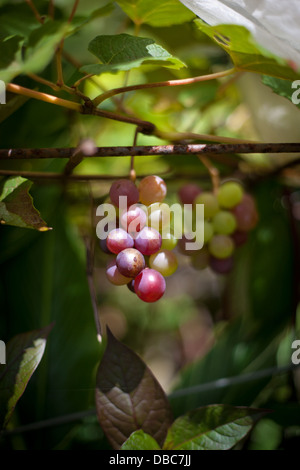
(273, 25)
(139, 440)
(124, 52)
(247, 55)
(23, 355)
(215, 427)
(156, 12)
(16, 205)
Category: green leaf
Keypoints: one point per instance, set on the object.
(283, 88)
(41, 46)
(24, 353)
(17, 19)
(215, 427)
(245, 53)
(139, 440)
(156, 13)
(16, 205)
(8, 50)
(124, 52)
(128, 397)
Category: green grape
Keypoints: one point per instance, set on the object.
(208, 231)
(165, 262)
(169, 241)
(221, 246)
(159, 216)
(230, 194)
(224, 223)
(211, 205)
(201, 259)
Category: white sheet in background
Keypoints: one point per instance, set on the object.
(273, 24)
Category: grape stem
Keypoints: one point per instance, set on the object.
(132, 173)
(35, 11)
(213, 171)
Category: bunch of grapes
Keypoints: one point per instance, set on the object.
(229, 215)
(143, 258)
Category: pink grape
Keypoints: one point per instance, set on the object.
(188, 193)
(221, 266)
(114, 276)
(130, 262)
(118, 240)
(133, 220)
(152, 189)
(124, 188)
(148, 241)
(246, 214)
(149, 285)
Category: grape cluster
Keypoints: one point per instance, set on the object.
(143, 259)
(144, 238)
(229, 214)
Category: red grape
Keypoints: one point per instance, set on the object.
(114, 276)
(239, 238)
(221, 266)
(148, 241)
(130, 262)
(149, 285)
(124, 188)
(246, 214)
(188, 193)
(118, 240)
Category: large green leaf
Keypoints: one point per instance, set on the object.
(156, 12)
(247, 55)
(215, 427)
(124, 52)
(24, 353)
(16, 204)
(139, 440)
(128, 397)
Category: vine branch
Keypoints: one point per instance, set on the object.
(185, 81)
(148, 151)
